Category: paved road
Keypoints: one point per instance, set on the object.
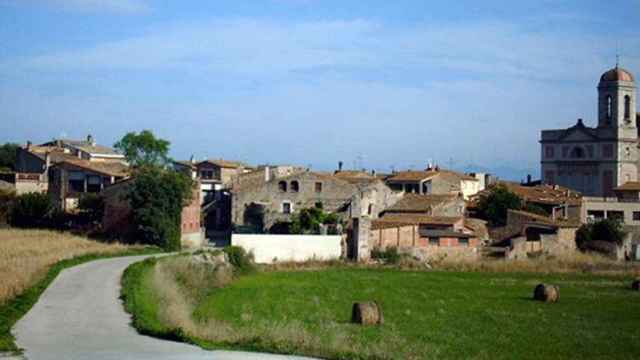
(80, 316)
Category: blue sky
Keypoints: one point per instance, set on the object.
(312, 82)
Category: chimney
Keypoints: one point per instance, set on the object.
(267, 173)
(90, 140)
(528, 178)
(373, 172)
(580, 122)
(29, 143)
(340, 166)
(47, 160)
(192, 159)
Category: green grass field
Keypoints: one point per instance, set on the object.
(427, 315)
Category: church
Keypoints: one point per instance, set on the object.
(595, 160)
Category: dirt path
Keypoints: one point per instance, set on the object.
(80, 316)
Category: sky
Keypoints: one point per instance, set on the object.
(376, 84)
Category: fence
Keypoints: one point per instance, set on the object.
(269, 247)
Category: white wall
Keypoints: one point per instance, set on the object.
(266, 248)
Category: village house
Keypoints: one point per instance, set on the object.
(67, 169)
(527, 234)
(269, 198)
(557, 201)
(452, 205)
(214, 175)
(434, 181)
(117, 216)
(34, 161)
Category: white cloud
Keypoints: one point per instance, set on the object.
(258, 48)
(115, 6)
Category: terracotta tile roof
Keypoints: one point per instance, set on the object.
(420, 203)
(419, 219)
(354, 176)
(224, 163)
(408, 176)
(116, 169)
(542, 194)
(547, 220)
(629, 186)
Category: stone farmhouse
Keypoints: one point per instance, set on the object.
(214, 175)
(67, 169)
(595, 160)
(434, 181)
(278, 193)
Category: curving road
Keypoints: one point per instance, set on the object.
(80, 316)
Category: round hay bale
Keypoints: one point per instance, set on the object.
(367, 313)
(546, 293)
(635, 285)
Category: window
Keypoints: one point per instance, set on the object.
(548, 152)
(319, 205)
(282, 186)
(627, 107)
(206, 174)
(565, 151)
(318, 187)
(76, 181)
(609, 107)
(607, 150)
(590, 151)
(434, 241)
(464, 242)
(286, 208)
(636, 216)
(94, 184)
(577, 153)
(370, 209)
(295, 186)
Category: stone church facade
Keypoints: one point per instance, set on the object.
(594, 160)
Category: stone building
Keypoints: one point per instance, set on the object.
(595, 160)
(35, 162)
(434, 181)
(275, 198)
(451, 205)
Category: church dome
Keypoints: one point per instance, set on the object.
(617, 74)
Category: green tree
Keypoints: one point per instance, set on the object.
(7, 198)
(157, 197)
(493, 207)
(144, 149)
(8, 153)
(91, 206)
(609, 230)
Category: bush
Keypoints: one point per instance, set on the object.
(389, 255)
(31, 210)
(308, 221)
(608, 230)
(91, 207)
(6, 204)
(241, 261)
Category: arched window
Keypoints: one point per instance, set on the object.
(627, 107)
(577, 153)
(295, 186)
(609, 107)
(282, 186)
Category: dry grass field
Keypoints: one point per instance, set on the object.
(27, 255)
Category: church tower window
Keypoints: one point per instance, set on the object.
(627, 107)
(609, 107)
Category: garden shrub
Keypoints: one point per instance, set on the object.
(31, 210)
(91, 207)
(389, 255)
(241, 261)
(6, 203)
(608, 230)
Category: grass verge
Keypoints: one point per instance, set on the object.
(435, 314)
(15, 308)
